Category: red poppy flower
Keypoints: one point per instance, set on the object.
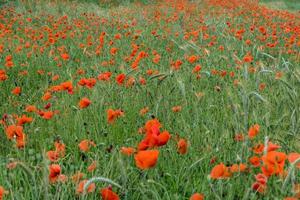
(293, 157)
(84, 102)
(55, 174)
(65, 56)
(16, 91)
(53, 156)
(108, 194)
(197, 196)
(16, 132)
(127, 151)
(273, 163)
(120, 79)
(182, 146)
(253, 131)
(92, 166)
(2, 192)
(220, 171)
(258, 187)
(80, 187)
(255, 161)
(176, 109)
(248, 58)
(197, 68)
(85, 145)
(238, 168)
(112, 115)
(146, 159)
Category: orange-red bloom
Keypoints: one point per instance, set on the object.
(146, 159)
(182, 146)
(60, 148)
(253, 131)
(120, 79)
(258, 148)
(293, 157)
(248, 58)
(108, 194)
(153, 137)
(92, 166)
(261, 188)
(197, 196)
(16, 132)
(80, 187)
(272, 146)
(128, 151)
(220, 171)
(197, 68)
(239, 137)
(84, 102)
(112, 115)
(46, 96)
(192, 58)
(261, 183)
(68, 86)
(104, 76)
(255, 161)
(238, 168)
(163, 138)
(53, 156)
(16, 91)
(30, 108)
(3, 75)
(150, 124)
(143, 111)
(176, 109)
(55, 174)
(85, 145)
(89, 83)
(46, 114)
(59, 152)
(23, 120)
(273, 163)
(2, 192)
(65, 56)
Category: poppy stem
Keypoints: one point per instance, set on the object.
(266, 145)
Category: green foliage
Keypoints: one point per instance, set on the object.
(293, 5)
(214, 106)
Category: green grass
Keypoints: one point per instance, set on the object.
(209, 123)
(293, 5)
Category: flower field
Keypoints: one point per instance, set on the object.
(150, 100)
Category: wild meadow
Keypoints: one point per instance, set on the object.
(149, 100)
